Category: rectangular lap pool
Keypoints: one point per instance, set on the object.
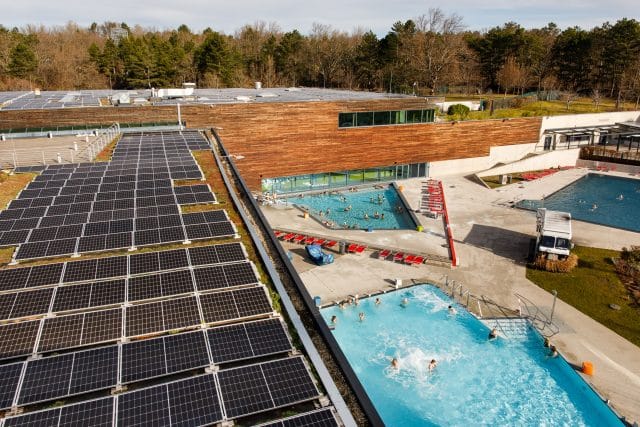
(375, 208)
(601, 199)
(506, 382)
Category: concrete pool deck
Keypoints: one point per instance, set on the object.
(492, 241)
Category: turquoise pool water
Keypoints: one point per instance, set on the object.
(358, 209)
(601, 199)
(476, 381)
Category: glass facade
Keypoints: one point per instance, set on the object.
(327, 180)
(385, 118)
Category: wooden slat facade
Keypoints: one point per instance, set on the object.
(284, 139)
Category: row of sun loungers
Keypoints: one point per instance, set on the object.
(432, 197)
(303, 239)
(401, 257)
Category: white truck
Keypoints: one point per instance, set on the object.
(554, 233)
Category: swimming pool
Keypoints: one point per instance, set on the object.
(375, 208)
(601, 199)
(500, 382)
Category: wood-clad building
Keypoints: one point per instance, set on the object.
(283, 138)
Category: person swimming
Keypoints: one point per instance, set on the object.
(394, 363)
(432, 365)
(451, 310)
(493, 334)
(361, 316)
(594, 207)
(620, 197)
(405, 302)
(378, 301)
(334, 319)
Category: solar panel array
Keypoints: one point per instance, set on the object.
(128, 202)
(324, 417)
(179, 337)
(51, 99)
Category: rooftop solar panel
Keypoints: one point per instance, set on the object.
(149, 406)
(324, 417)
(9, 377)
(18, 339)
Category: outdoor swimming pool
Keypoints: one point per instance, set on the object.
(373, 208)
(601, 199)
(476, 381)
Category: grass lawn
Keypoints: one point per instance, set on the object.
(591, 287)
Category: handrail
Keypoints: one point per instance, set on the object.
(488, 304)
(538, 319)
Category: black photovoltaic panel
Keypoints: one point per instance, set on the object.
(144, 287)
(43, 275)
(176, 283)
(230, 252)
(235, 304)
(107, 293)
(111, 267)
(247, 340)
(18, 339)
(144, 319)
(244, 391)
(143, 359)
(324, 417)
(185, 351)
(80, 329)
(80, 271)
(72, 297)
(46, 379)
(49, 418)
(94, 370)
(239, 274)
(149, 406)
(9, 377)
(221, 229)
(180, 313)
(15, 278)
(289, 381)
(204, 255)
(31, 303)
(208, 278)
(95, 413)
(194, 402)
(173, 259)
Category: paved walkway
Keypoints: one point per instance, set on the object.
(492, 241)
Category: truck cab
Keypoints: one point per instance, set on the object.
(553, 233)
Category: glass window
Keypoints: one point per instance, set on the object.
(562, 243)
(346, 120)
(428, 116)
(381, 118)
(301, 183)
(371, 175)
(355, 177)
(338, 179)
(398, 117)
(364, 119)
(387, 173)
(414, 116)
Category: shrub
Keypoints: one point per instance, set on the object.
(459, 110)
(556, 266)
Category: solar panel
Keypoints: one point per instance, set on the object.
(218, 307)
(15, 278)
(72, 297)
(229, 343)
(46, 379)
(144, 319)
(144, 263)
(61, 247)
(267, 337)
(180, 313)
(204, 255)
(252, 302)
(108, 293)
(221, 229)
(239, 274)
(244, 391)
(169, 260)
(209, 278)
(61, 332)
(172, 234)
(230, 252)
(111, 267)
(143, 359)
(324, 417)
(31, 303)
(96, 413)
(149, 406)
(43, 275)
(118, 241)
(102, 326)
(50, 417)
(91, 243)
(197, 231)
(194, 401)
(289, 381)
(80, 271)
(144, 287)
(18, 339)
(185, 351)
(176, 283)
(147, 237)
(94, 370)
(9, 377)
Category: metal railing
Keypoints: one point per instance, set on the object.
(538, 319)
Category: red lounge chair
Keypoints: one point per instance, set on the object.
(319, 241)
(288, 237)
(398, 256)
(330, 244)
(418, 260)
(309, 240)
(360, 249)
(299, 238)
(409, 259)
(277, 233)
(352, 248)
(384, 254)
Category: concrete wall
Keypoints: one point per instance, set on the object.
(504, 154)
(592, 164)
(550, 159)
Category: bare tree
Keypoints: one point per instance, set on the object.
(511, 75)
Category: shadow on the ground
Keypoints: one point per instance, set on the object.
(499, 241)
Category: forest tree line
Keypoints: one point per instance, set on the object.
(430, 54)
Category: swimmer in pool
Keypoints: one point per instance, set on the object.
(361, 316)
(432, 365)
(378, 301)
(394, 363)
(493, 334)
(334, 319)
(405, 302)
(452, 310)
